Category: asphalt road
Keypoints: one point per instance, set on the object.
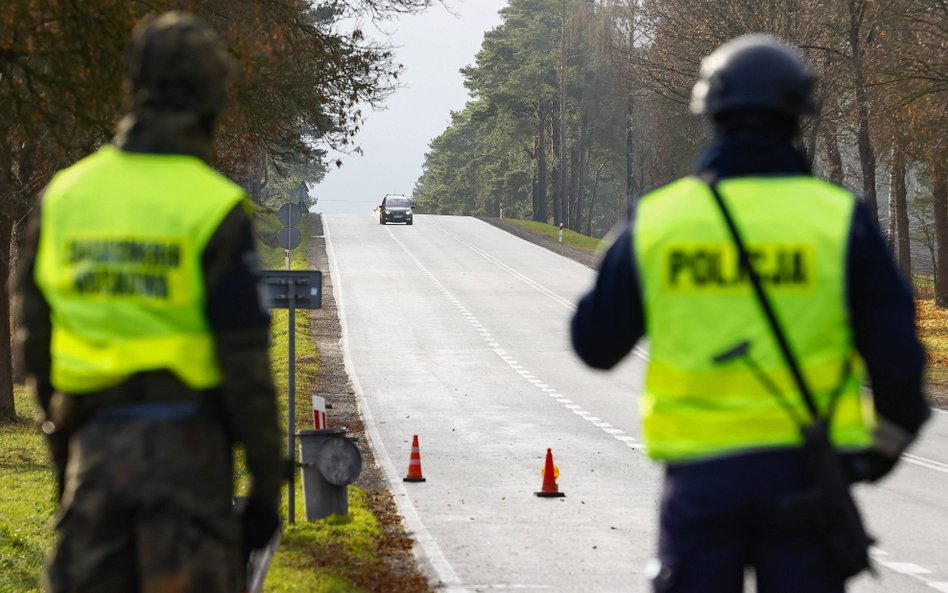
(457, 332)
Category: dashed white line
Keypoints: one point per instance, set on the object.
(637, 350)
(511, 361)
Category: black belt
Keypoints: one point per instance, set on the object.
(150, 411)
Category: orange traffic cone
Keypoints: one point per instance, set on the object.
(550, 473)
(414, 463)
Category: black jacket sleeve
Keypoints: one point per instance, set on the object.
(882, 311)
(241, 328)
(609, 320)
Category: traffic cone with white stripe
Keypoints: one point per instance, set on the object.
(414, 463)
(550, 472)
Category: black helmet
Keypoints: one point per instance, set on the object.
(177, 63)
(754, 73)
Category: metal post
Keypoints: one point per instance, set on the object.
(291, 406)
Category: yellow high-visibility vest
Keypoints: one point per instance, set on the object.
(699, 304)
(119, 261)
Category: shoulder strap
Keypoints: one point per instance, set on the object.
(765, 304)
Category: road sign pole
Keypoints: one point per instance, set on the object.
(291, 409)
(286, 290)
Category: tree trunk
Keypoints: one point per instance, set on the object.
(7, 405)
(867, 157)
(890, 231)
(630, 186)
(539, 187)
(834, 156)
(940, 201)
(581, 188)
(559, 201)
(583, 148)
(19, 374)
(903, 243)
(558, 177)
(572, 188)
(592, 198)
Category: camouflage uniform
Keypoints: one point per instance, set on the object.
(146, 466)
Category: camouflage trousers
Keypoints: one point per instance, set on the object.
(147, 508)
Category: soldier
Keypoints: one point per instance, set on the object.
(722, 407)
(144, 335)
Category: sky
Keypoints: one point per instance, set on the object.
(432, 46)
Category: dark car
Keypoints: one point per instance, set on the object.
(395, 208)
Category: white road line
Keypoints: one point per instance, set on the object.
(909, 569)
(511, 362)
(925, 462)
(638, 350)
(921, 461)
(428, 552)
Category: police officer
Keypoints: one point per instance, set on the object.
(143, 333)
(719, 407)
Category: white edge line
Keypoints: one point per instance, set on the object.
(427, 551)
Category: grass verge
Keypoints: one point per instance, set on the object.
(336, 554)
(27, 491)
(932, 325)
(548, 231)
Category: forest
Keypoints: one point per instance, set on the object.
(302, 86)
(579, 106)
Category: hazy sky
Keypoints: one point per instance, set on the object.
(432, 46)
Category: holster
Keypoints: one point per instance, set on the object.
(829, 507)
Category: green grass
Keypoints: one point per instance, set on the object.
(572, 239)
(27, 491)
(314, 557)
(322, 556)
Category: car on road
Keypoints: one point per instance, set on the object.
(395, 208)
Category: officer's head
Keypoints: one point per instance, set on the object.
(754, 82)
(178, 65)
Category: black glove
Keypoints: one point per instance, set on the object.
(868, 466)
(259, 521)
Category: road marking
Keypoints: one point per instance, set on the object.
(638, 350)
(925, 462)
(481, 587)
(607, 428)
(643, 354)
(428, 552)
(909, 569)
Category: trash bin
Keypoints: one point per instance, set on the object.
(329, 462)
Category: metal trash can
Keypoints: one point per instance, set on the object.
(329, 462)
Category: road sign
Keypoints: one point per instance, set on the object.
(289, 289)
(305, 286)
(302, 195)
(289, 214)
(289, 237)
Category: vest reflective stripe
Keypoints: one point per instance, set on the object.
(699, 304)
(119, 262)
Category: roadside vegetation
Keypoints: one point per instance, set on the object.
(334, 555)
(571, 238)
(575, 106)
(27, 500)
